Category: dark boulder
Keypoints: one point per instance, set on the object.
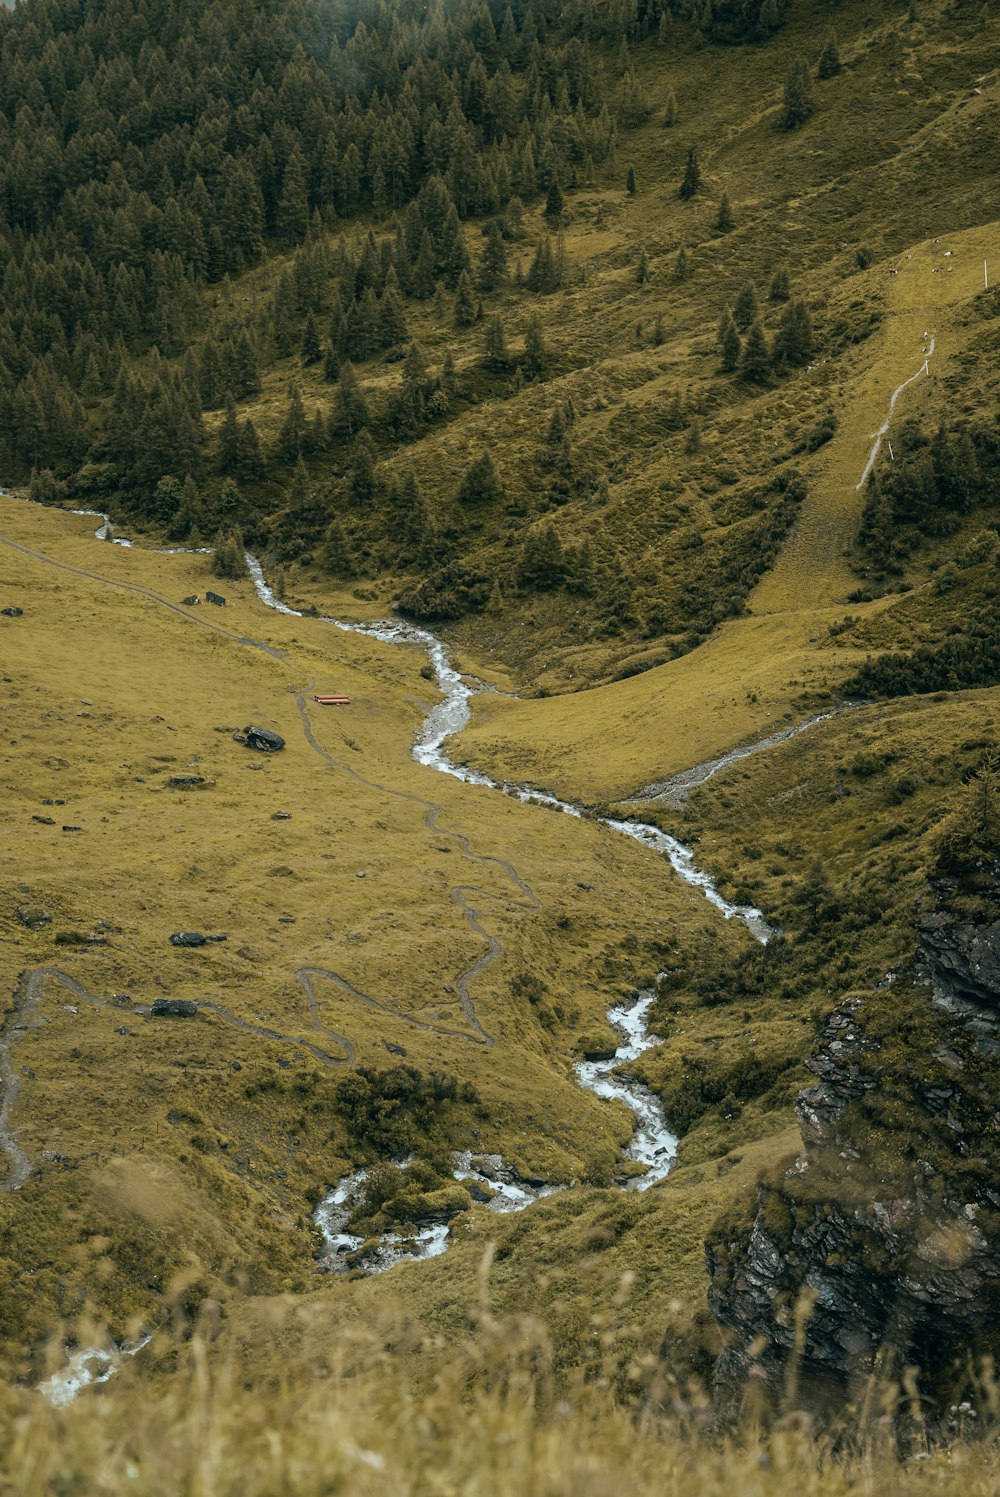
(963, 960)
(188, 938)
(188, 781)
(34, 918)
(173, 1008)
(261, 739)
(12, 613)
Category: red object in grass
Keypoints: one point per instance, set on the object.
(332, 701)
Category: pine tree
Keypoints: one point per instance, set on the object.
(361, 485)
(829, 64)
(542, 565)
(481, 483)
(495, 345)
(349, 409)
(746, 308)
(554, 204)
(289, 444)
(249, 464)
(229, 439)
(465, 302)
(493, 265)
(798, 96)
(756, 362)
(793, 342)
(630, 186)
(725, 220)
(311, 350)
(730, 343)
(691, 180)
(780, 285)
(535, 351)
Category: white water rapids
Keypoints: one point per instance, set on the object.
(653, 1144)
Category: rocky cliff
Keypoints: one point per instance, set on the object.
(880, 1245)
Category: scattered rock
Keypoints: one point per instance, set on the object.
(282, 816)
(361, 874)
(12, 613)
(608, 1053)
(34, 919)
(188, 938)
(235, 1065)
(282, 871)
(45, 820)
(394, 1049)
(286, 919)
(173, 1008)
(216, 939)
(191, 602)
(261, 739)
(479, 1193)
(121, 1000)
(72, 828)
(188, 781)
(79, 938)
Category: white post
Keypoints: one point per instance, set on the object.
(891, 456)
(986, 276)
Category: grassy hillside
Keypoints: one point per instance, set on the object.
(681, 560)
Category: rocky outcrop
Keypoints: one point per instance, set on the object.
(880, 1246)
(262, 739)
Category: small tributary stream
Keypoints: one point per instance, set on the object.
(653, 1144)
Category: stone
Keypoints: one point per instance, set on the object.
(394, 1049)
(34, 918)
(188, 781)
(72, 828)
(479, 1193)
(79, 938)
(191, 602)
(44, 820)
(262, 739)
(214, 940)
(188, 938)
(12, 613)
(173, 1008)
(282, 816)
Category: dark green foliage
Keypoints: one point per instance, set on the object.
(969, 840)
(393, 1111)
(969, 658)
(829, 64)
(756, 361)
(554, 204)
(542, 564)
(730, 342)
(465, 302)
(481, 483)
(926, 490)
(779, 289)
(493, 265)
(535, 352)
(746, 309)
(229, 555)
(793, 342)
(349, 411)
(495, 345)
(742, 20)
(630, 184)
(725, 219)
(448, 593)
(798, 102)
(546, 271)
(691, 180)
(818, 435)
(642, 269)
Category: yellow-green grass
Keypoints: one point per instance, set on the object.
(165, 1148)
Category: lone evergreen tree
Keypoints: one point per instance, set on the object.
(746, 308)
(793, 342)
(725, 220)
(691, 180)
(535, 352)
(480, 482)
(495, 345)
(630, 186)
(542, 565)
(756, 362)
(554, 204)
(798, 95)
(465, 302)
(493, 265)
(730, 343)
(829, 64)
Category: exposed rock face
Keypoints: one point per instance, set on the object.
(173, 1008)
(262, 739)
(889, 1222)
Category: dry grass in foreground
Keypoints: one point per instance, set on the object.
(491, 1419)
